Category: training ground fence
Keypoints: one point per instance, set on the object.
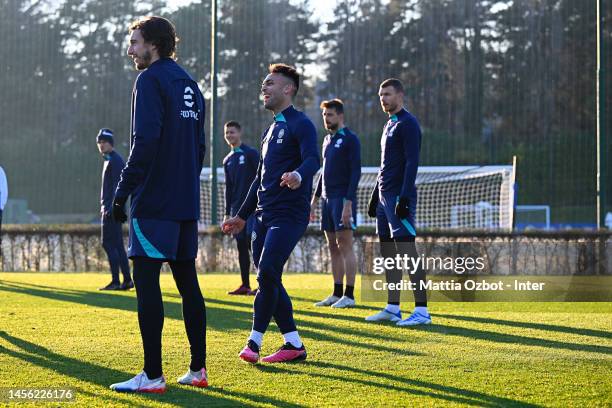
(77, 248)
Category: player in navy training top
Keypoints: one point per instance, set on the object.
(337, 188)
(162, 176)
(112, 234)
(394, 201)
(240, 167)
(280, 199)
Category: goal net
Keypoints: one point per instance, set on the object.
(449, 197)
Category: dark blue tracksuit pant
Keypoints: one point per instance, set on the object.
(112, 242)
(272, 243)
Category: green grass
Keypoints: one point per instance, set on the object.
(58, 330)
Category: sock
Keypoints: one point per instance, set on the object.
(257, 337)
(421, 310)
(392, 308)
(337, 290)
(293, 338)
(349, 292)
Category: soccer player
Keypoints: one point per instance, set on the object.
(280, 199)
(240, 167)
(112, 235)
(162, 176)
(337, 188)
(394, 200)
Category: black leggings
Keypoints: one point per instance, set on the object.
(244, 258)
(389, 248)
(151, 311)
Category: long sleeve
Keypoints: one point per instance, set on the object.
(146, 131)
(411, 142)
(229, 187)
(116, 168)
(355, 169)
(307, 136)
(202, 145)
(250, 202)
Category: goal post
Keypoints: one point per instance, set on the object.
(449, 197)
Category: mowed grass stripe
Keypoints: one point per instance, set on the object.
(58, 330)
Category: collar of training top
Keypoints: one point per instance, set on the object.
(280, 117)
(395, 117)
(340, 132)
(237, 149)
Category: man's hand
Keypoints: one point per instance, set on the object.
(118, 210)
(347, 213)
(373, 204)
(401, 208)
(233, 225)
(293, 180)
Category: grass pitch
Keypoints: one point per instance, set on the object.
(57, 330)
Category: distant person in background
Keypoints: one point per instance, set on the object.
(240, 167)
(337, 190)
(3, 194)
(112, 234)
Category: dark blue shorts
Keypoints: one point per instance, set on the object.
(331, 215)
(388, 224)
(164, 240)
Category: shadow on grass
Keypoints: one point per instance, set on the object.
(374, 335)
(399, 384)
(512, 338)
(221, 318)
(103, 377)
(531, 325)
(217, 317)
(445, 392)
(336, 315)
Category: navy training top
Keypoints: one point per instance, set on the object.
(289, 144)
(341, 166)
(400, 146)
(167, 145)
(111, 172)
(240, 167)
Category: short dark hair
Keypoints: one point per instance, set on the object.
(395, 83)
(160, 32)
(233, 123)
(288, 72)
(335, 104)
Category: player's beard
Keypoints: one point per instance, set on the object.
(270, 103)
(388, 109)
(144, 61)
(332, 128)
